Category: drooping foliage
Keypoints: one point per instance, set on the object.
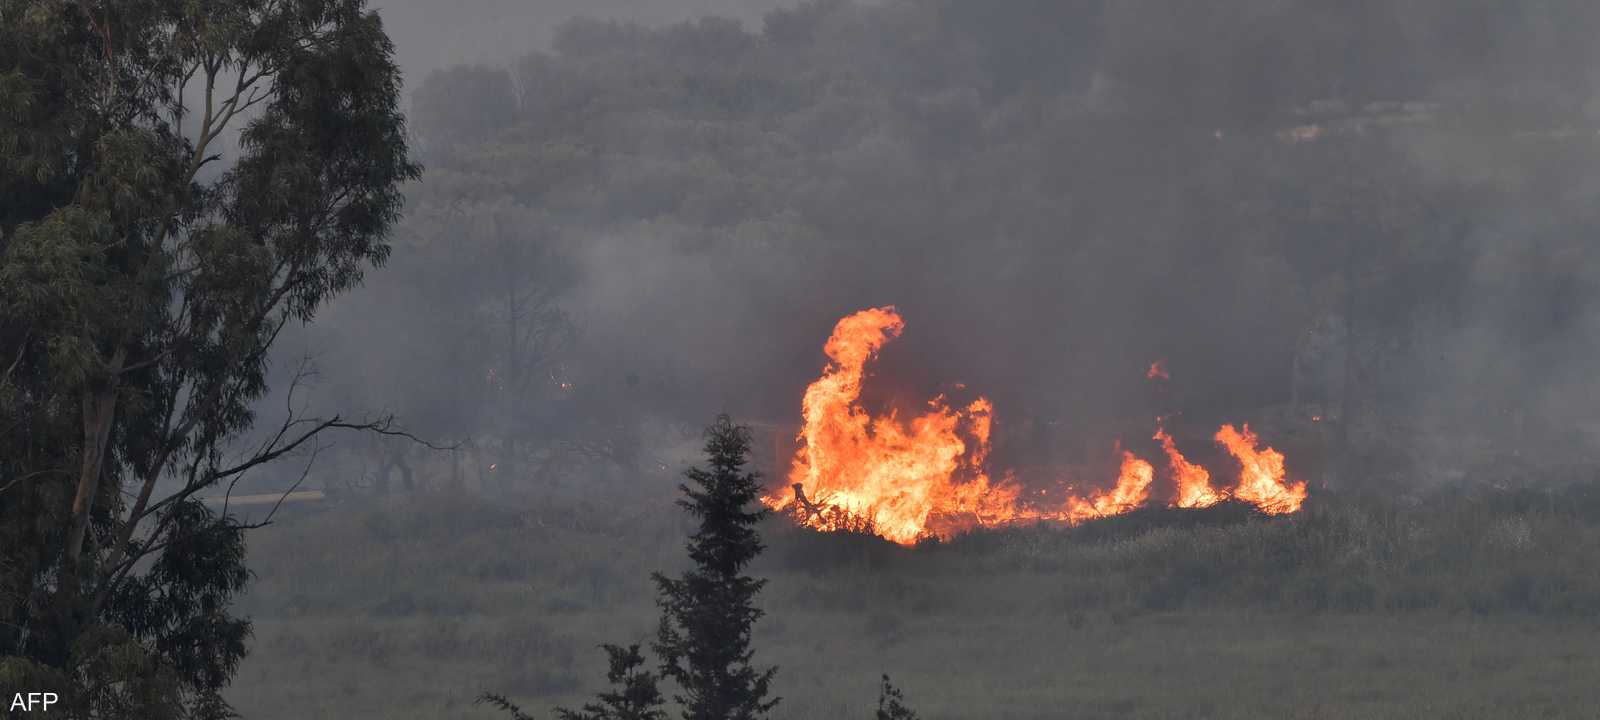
(182, 180)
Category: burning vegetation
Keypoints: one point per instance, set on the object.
(928, 474)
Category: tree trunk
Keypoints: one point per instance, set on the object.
(99, 412)
(511, 390)
(1295, 379)
(1343, 462)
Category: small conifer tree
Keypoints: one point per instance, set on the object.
(891, 703)
(634, 694)
(707, 614)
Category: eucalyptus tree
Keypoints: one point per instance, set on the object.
(180, 181)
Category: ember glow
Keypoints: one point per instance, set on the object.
(926, 473)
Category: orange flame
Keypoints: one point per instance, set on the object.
(926, 475)
(1158, 371)
(1261, 479)
(1192, 482)
(894, 473)
(1131, 490)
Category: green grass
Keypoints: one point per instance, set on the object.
(1484, 606)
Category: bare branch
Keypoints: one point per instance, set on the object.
(17, 481)
(21, 350)
(147, 362)
(304, 473)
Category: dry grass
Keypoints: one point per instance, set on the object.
(1472, 609)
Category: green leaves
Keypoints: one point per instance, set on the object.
(145, 269)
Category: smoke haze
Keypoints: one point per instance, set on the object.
(1054, 194)
(1358, 236)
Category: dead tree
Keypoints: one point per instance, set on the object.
(812, 510)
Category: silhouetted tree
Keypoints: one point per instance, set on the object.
(635, 695)
(707, 615)
(502, 702)
(143, 282)
(891, 705)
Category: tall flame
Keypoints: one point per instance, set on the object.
(906, 478)
(1192, 482)
(1261, 480)
(1131, 490)
(894, 472)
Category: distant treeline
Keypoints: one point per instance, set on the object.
(665, 221)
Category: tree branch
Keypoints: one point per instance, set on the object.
(304, 473)
(30, 476)
(22, 349)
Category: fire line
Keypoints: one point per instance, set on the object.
(927, 474)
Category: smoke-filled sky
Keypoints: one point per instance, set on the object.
(1378, 208)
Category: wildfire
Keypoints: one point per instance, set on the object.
(895, 472)
(906, 478)
(1261, 481)
(1193, 483)
(1131, 490)
(1157, 371)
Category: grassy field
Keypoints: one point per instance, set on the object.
(1466, 606)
